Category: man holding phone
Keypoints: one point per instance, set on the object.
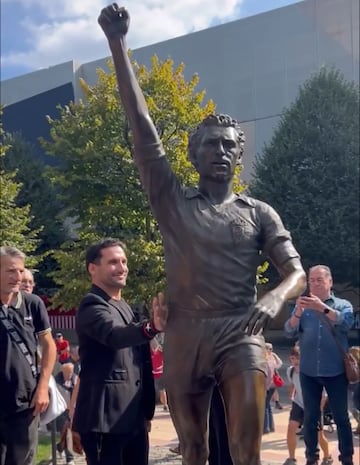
(321, 362)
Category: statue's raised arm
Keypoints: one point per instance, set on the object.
(213, 241)
(114, 21)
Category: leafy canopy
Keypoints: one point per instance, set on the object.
(14, 220)
(36, 190)
(99, 182)
(309, 172)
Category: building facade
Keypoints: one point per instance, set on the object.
(252, 68)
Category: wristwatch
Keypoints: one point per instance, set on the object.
(326, 310)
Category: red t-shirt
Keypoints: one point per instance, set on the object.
(157, 363)
(63, 350)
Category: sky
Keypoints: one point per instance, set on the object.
(37, 34)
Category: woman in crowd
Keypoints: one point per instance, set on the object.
(272, 364)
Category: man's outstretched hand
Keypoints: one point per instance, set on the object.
(114, 21)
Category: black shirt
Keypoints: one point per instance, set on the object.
(28, 315)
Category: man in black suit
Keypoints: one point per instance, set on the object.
(116, 397)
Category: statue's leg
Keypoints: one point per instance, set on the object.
(189, 412)
(244, 400)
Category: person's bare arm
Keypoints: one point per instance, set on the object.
(73, 399)
(323, 400)
(40, 400)
(114, 21)
(278, 361)
(291, 391)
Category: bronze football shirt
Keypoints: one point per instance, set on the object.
(211, 251)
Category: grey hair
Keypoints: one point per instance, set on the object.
(67, 365)
(10, 251)
(325, 268)
(29, 271)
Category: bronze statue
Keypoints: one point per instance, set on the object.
(213, 241)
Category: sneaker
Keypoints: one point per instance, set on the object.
(327, 461)
(278, 405)
(60, 449)
(290, 461)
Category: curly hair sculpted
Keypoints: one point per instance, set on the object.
(214, 120)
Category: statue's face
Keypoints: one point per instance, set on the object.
(218, 153)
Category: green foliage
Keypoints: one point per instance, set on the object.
(260, 274)
(14, 220)
(309, 172)
(100, 185)
(44, 450)
(37, 191)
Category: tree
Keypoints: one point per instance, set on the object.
(100, 186)
(38, 192)
(15, 221)
(309, 172)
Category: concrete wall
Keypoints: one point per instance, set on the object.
(29, 116)
(252, 68)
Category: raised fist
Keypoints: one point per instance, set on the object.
(114, 21)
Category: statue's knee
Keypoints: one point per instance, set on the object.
(194, 453)
(244, 454)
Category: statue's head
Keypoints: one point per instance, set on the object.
(216, 147)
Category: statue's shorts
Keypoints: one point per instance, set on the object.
(202, 350)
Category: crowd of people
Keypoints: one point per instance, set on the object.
(103, 335)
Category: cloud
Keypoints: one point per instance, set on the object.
(68, 30)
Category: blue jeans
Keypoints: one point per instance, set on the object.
(337, 391)
(269, 418)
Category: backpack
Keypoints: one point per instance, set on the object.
(291, 373)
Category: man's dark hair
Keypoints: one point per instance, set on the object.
(295, 352)
(214, 120)
(93, 254)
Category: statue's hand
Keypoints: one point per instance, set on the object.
(114, 21)
(261, 314)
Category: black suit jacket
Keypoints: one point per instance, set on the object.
(116, 392)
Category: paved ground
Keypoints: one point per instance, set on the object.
(274, 450)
